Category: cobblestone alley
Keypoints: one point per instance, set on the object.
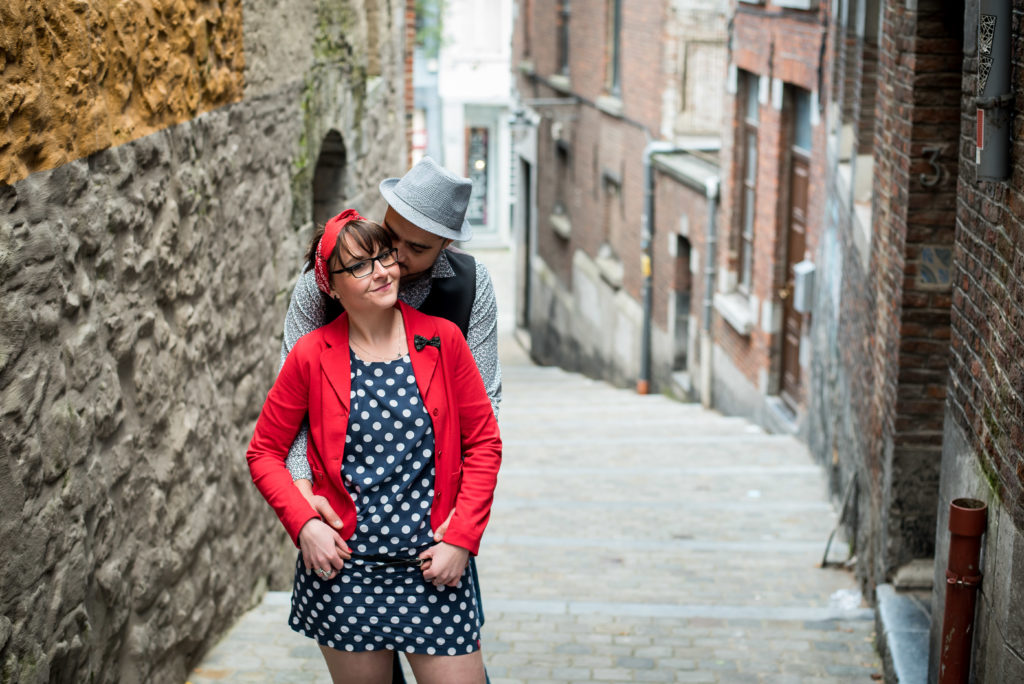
(632, 539)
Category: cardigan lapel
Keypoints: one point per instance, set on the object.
(335, 361)
(424, 361)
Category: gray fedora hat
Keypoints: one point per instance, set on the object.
(433, 198)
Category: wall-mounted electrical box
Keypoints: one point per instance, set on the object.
(803, 286)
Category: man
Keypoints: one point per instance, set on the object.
(426, 213)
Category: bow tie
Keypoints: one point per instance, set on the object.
(420, 342)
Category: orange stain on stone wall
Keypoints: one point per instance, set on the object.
(79, 76)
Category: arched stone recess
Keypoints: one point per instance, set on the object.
(330, 179)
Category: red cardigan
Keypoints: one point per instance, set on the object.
(316, 379)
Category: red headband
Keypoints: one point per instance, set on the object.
(325, 248)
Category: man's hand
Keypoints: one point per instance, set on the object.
(445, 564)
(320, 505)
(322, 549)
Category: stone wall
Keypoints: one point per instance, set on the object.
(142, 294)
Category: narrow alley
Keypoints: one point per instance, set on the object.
(633, 538)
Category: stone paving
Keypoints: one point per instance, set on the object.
(633, 539)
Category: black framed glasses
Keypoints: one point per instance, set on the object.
(363, 268)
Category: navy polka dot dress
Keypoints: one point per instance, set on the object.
(388, 470)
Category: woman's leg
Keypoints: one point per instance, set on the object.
(459, 669)
(362, 667)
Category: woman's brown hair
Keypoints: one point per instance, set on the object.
(369, 236)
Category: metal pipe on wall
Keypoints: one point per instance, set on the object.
(643, 383)
(967, 521)
(711, 188)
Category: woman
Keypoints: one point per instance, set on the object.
(400, 427)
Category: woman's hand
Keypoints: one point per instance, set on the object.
(444, 564)
(322, 548)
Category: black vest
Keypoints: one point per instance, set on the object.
(453, 298)
(450, 298)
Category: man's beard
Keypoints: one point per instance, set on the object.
(405, 279)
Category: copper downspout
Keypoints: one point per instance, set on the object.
(967, 520)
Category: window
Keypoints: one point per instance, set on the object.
(608, 262)
(701, 90)
(563, 182)
(560, 220)
(563, 38)
(476, 168)
(748, 172)
(613, 74)
(802, 119)
(852, 110)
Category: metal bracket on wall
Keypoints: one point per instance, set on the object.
(850, 487)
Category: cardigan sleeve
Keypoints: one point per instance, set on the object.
(482, 335)
(480, 443)
(305, 314)
(279, 421)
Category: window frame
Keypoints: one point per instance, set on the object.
(563, 37)
(613, 48)
(748, 165)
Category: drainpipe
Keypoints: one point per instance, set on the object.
(967, 519)
(710, 249)
(643, 384)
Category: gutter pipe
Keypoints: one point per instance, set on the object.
(711, 190)
(643, 384)
(967, 521)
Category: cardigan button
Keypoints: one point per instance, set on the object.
(435, 412)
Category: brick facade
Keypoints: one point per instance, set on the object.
(911, 374)
(984, 409)
(778, 49)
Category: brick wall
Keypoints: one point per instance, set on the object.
(920, 101)
(882, 329)
(986, 388)
(603, 148)
(787, 48)
(676, 205)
